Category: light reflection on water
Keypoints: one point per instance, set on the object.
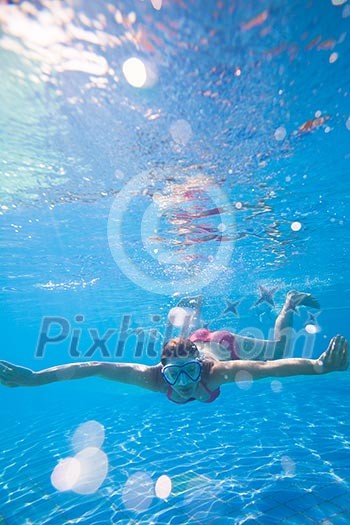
(231, 460)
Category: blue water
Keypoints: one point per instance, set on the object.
(227, 171)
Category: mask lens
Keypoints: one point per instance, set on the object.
(190, 372)
(171, 373)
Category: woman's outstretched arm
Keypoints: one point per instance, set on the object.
(335, 358)
(136, 374)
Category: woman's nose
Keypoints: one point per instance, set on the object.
(182, 379)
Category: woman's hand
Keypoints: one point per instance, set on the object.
(336, 356)
(13, 375)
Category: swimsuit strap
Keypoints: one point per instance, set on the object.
(213, 393)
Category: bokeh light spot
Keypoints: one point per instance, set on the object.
(276, 386)
(135, 72)
(93, 470)
(280, 133)
(163, 487)
(295, 226)
(243, 380)
(66, 474)
(138, 492)
(178, 316)
(311, 329)
(89, 434)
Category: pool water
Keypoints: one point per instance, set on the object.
(154, 153)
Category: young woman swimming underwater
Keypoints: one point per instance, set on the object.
(194, 368)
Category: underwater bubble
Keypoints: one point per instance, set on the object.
(89, 434)
(243, 380)
(295, 226)
(280, 133)
(181, 132)
(66, 474)
(93, 470)
(163, 487)
(138, 492)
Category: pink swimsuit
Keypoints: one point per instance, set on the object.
(222, 337)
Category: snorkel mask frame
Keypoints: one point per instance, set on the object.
(192, 378)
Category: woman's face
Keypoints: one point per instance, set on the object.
(183, 375)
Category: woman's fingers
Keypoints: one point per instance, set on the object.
(336, 355)
(344, 354)
(339, 353)
(7, 374)
(4, 366)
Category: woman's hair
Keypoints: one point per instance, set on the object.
(178, 347)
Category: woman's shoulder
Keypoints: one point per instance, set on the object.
(157, 378)
(208, 364)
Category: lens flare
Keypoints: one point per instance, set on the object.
(135, 72)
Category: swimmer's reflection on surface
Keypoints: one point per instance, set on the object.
(194, 368)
